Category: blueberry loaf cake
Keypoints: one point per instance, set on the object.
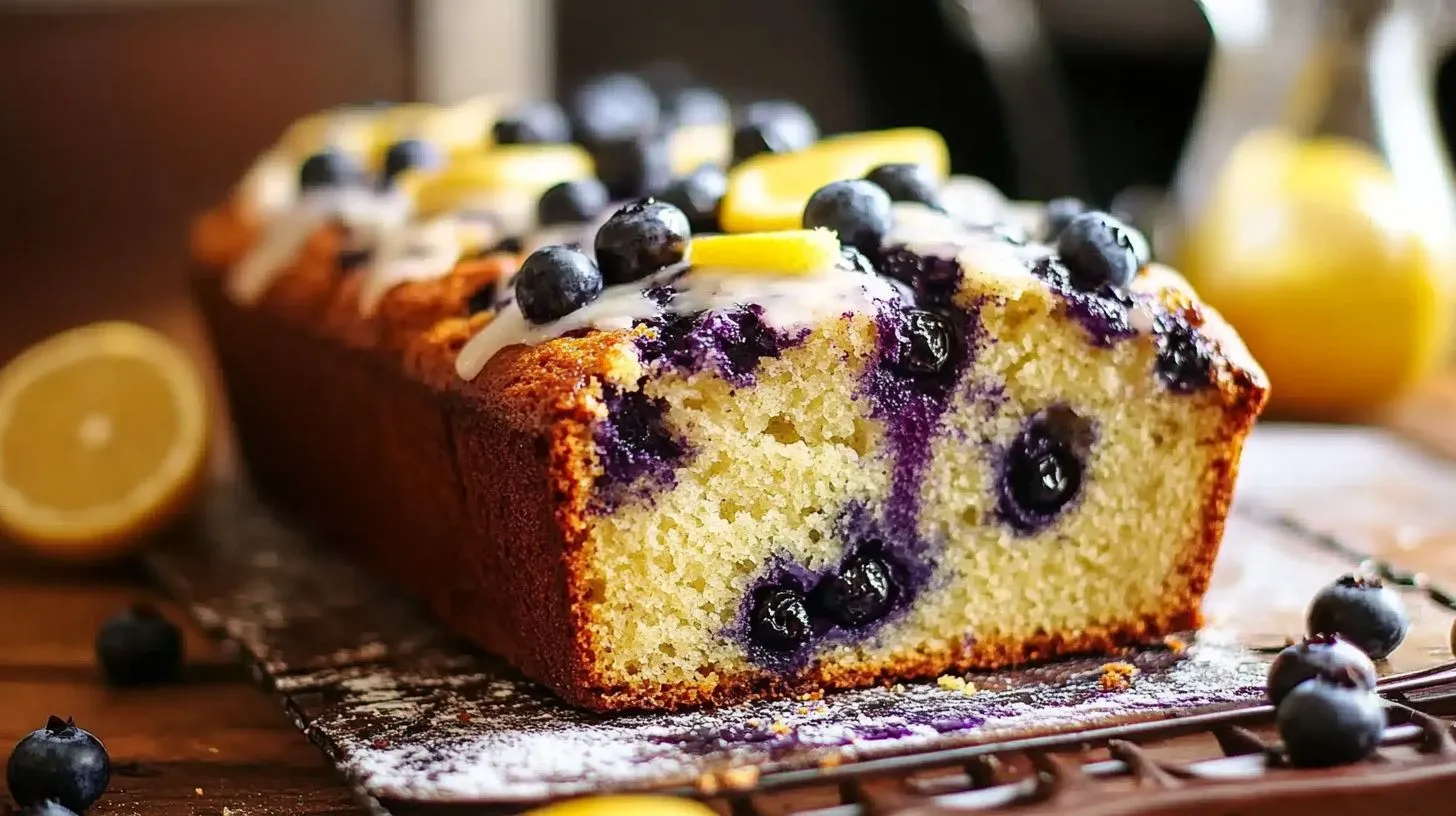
(804, 415)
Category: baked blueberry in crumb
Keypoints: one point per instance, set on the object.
(1324, 656)
(640, 239)
(409, 154)
(571, 202)
(697, 194)
(1098, 251)
(1362, 610)
(923, 344)
(1059, 213)
(59, 763)
(861, 592)
(857, 210)
(638, 451)
(1042, 471)
(780, 619)
(907, 182)
(328, 168)
(555, 281)
(537, 123)
(1185, 358)
(139, 646)
(1324, 723)
(633, 167)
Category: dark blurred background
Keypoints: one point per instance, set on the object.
(122, 119)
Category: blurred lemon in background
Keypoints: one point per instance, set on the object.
(625, 806)
(1308, 249)
(103, 440)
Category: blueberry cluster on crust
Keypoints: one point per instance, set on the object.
(531, 413)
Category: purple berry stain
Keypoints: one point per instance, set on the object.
(639, 453)
(730, 342)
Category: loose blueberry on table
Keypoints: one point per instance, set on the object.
(1098, 251)
(571, 202)
(1325, 723)
(640, 239)
(772, 127)
(907, 182)
(613, 106)
(60, 763)
(1362, 610)
(780, 619)
(555, 281)
(329, 168)
(409, 154)
(138, 646)
(1325, 656)
(697, 194)
(858, 210)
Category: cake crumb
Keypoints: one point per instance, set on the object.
(197, 791)
(739, 778)
(753, 722)
(780, 727)
(802, 711)
(898, 688)
(1117, 676)
(821, 709)
(950, 683)
(1175, 644)
(707, 784)
(463, 716)
(833, 760)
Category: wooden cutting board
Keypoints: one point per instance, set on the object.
(414, 716)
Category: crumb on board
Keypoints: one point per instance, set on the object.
(802, 711)
(754, 722)
(1175, 644)
(833, 760)
(780, 727)
(707, 784)
(950, 683)
(898, 688)
(745, 776)
(197, 791)
(1117, 676)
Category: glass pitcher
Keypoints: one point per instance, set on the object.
(1314, 205)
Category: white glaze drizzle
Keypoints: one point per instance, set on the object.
(366, 213)
(788, 301)
(421, 250)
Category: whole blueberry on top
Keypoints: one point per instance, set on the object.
(924, 342)
(861, 592)
(1059, 213)
(612, 107)
(410, 154)
(907, 182)
(1362, 610)
(697, 194)
(328, 168)
(779, 621)
(60, 763)
(1098, 251)
(852, 260)
(785, 126)
(138, 646)
(633, 167)
(1324, 656)
(555, 281)
(694, 105)
(571, 202)
(536, 123)
(858, 210)
(640, 239)
(1324, 724)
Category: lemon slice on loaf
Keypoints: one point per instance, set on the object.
(792, 252)
(103, 439)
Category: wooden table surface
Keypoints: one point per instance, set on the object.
(216, 741)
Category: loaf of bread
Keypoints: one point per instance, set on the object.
(857, 436)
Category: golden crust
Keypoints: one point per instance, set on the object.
(459, 468)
